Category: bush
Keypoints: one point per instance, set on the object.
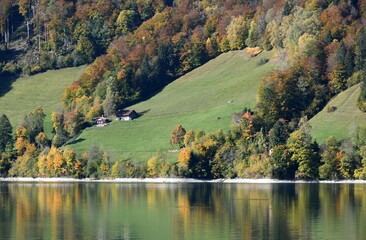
(361, 101)
(262, 61)
(60, 62)
(26, 70)
(331, 109)
(355, 78)
(45, 60)
(253, 51)
(36, 69)
(68, 61)
(11, 69)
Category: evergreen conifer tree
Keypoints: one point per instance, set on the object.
(6, 138)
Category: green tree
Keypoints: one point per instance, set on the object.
(95, 157)
(361, 100)
(6, 134)
(42, 141)
(33, 122)
(105, 166)
(337, 77)
(189, 138)
(278, 134)
(109, 103)
(287, 8)
(60, 138)
(237, 32)
(222, 165)
(360, 58)
(127, 21)
(331, 158)
(304, 153)
(283, 167)
(279, 96)
(360, 173)
(253, 38)
(85, 50)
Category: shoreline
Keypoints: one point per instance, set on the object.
(169, 180)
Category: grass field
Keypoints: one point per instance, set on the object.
(44, 89)
(342, 122)
(203, 99)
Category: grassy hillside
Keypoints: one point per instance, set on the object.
(342, 122)
(203, 99)
(43, 89)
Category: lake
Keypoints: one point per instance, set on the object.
(182, 211)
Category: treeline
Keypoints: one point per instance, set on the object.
(287, 151)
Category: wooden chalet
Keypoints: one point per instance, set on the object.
(102, 121)
(126, 115)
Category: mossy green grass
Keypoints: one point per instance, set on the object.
(342, 122)
(43, 89)
(203, 99)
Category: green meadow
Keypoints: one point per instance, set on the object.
(343, 121)
(44, 89)
(203, 99)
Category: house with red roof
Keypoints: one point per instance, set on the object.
(248, 115)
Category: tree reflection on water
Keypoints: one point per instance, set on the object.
(182, 211)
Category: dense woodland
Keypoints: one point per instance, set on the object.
(137, 47)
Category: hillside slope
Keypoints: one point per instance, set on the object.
(343, 121)
(202, 99)
(44, 89)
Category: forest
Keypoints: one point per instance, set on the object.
(135, 48)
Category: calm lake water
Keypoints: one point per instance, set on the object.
(182, 211)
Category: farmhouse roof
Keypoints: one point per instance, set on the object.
(102, 118)
(124, 113)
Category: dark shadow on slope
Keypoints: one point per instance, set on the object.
(76, 141)
(5, 84)
(142, 113)
(10, 54)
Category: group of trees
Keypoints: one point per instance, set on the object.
(67, 33)
(320, 49)
(150, 43)
(319, 45)
(287, 151)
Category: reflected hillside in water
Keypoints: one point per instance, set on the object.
(182, 211)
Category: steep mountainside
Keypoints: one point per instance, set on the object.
(43, 90)
(202, 99)
(343, 121)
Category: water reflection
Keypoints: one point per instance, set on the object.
(182, 211)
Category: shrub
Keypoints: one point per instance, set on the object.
(355, 78)
(262, 61)
(36, 69)
(10, 69)
(331, 109)
(68, 61)
(253, 51)
(26, 70)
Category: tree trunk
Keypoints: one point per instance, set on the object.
(39, 42)
(6, 34)
(27, 29)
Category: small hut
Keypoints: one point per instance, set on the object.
(102, 121)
